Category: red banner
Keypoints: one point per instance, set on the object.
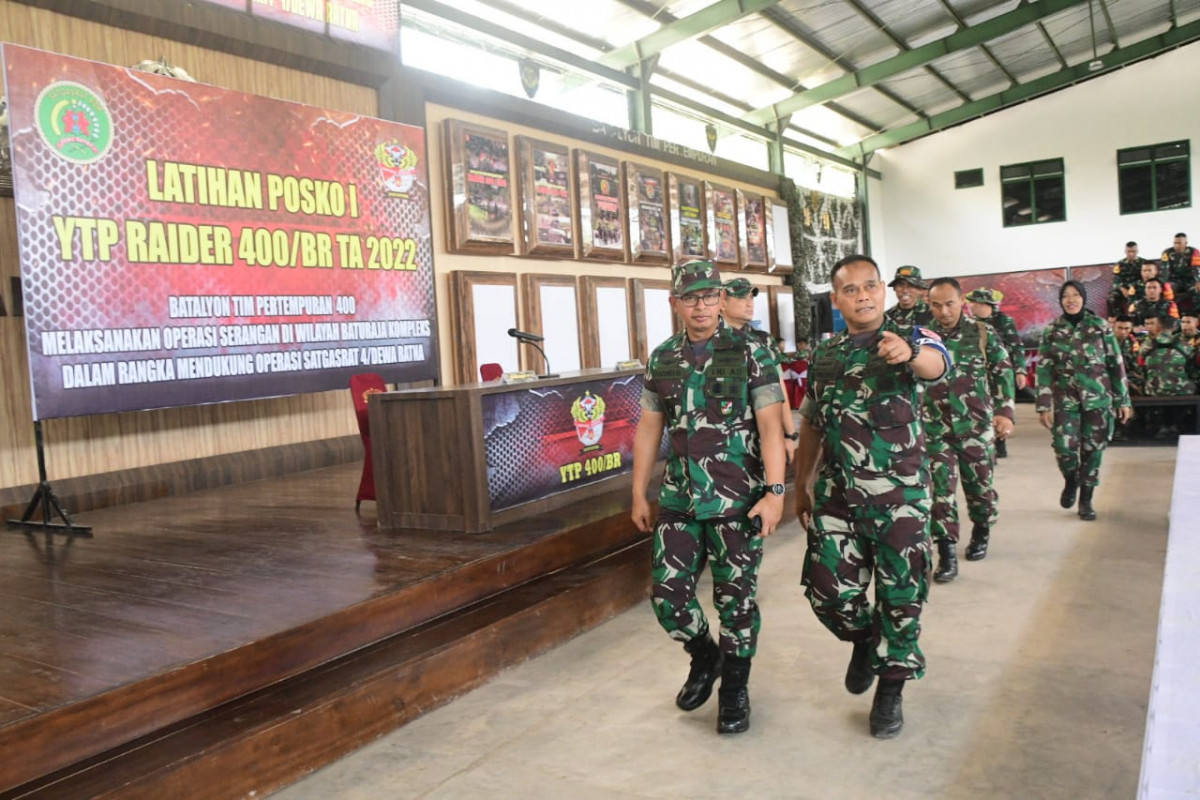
(369, 22)
(184, 244)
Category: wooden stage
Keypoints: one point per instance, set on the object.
(226, 642)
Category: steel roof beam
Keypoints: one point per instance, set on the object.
(966, 38)
(1062, 62)
(683, 29)
(1176, 37)
(1108, 20)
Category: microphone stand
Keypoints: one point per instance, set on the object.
(548, 374)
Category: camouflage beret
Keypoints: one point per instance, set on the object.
(741, 288)
(694, 276)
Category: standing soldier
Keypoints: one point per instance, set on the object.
(962, 416)
(1081, 377)
(1181, 267)
(738, 311)
(1127, 274)
(985, 305)
(911, 308)
(714, 392)
(868, 512)
(1152, 305)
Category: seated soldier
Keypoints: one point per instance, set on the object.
(1168, 369)
(1152, 305)
(1127, 277)
(1130, 352)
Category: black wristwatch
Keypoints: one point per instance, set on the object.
(794, 436)
(777, 488)
(916, 351)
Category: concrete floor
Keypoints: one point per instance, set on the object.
(1040, 660)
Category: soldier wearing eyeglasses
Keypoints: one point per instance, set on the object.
(717, 394)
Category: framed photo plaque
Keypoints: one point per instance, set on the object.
(480, 188)
(689, 230)
(601, 207)
(722, 224)
(756, 234)
(649, 231)
(547, 218)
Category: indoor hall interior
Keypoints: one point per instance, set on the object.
(1039, 673)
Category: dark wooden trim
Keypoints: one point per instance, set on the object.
(463, 308)
(637, 315)
(531, 308)
(589, 318)
(136, 485)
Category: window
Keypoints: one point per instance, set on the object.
(968, 178)
(1154, 178)
(1033, 192)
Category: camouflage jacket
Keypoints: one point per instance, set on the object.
(1143, 310)
(1006, 328)
(868, 414)
(714, 468)
(1127, 274)
(917, 315)
(1168, 367)
(981, 387)
(767, 341)
(1181, 269)
(1131, 356)
(1080, 364)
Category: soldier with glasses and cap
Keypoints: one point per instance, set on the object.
(717, 393)
(910, 308)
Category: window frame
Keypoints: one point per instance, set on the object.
(1152, 160)
(1048, 168)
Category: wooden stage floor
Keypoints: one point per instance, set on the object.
(180, 604)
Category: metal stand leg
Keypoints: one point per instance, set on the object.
(47, 500)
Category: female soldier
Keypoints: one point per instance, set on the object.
(1081, 374)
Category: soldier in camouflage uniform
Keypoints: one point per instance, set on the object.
(1127, 277)
(1081, 377)
(1181, 268)
(911, 308)
(738, 311)
(1130, 353)
(717, 394)
(1152, 305)
(985, 305)
(963, 415)
(1168, 368)
(867, 508)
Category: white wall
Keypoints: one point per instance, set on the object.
(918, 217)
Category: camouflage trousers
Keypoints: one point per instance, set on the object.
(681, 547)
(891, 544)
(974, 457)
(1079, 441)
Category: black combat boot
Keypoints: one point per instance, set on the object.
(1085, 503)
(859, 676)
(733, 698)
(1001, 448)
(706, 668)
(1067, 499)
(947, 569)
(977, 547)
(887, 712)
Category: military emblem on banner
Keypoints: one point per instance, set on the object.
(588, 413)
(531, 76)
(74, 121)
(710, 133)
(397, 167)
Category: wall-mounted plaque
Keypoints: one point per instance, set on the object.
(480, 188)
(547, 219)
(756, 234)
(722, 224)
(649, 233)
(689, 228)
(601, 207)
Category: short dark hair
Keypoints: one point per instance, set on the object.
(850, 259)
(1125, 318)
(1192, 314)
(945, 282)
(1181, 235)
(1167, 322)
(1131, 244)
(1149, 281)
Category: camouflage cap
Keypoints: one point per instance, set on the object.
(694, 276)
(984, 295)
(741, 288)
(909, 274)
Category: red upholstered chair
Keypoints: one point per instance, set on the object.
(363, 386)
(490, 372)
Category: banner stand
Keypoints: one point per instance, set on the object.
(45, 497)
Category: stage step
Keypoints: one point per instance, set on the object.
(272, 737)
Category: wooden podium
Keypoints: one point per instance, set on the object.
(469, 458)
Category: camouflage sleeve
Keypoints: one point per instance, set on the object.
(651, 401)
(768, 395)
(764, 376)
(1116, 368)
(1045, 372)
(1001, 382)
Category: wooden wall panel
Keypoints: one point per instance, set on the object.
(108, 442)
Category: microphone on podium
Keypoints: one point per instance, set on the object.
(533, 339)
